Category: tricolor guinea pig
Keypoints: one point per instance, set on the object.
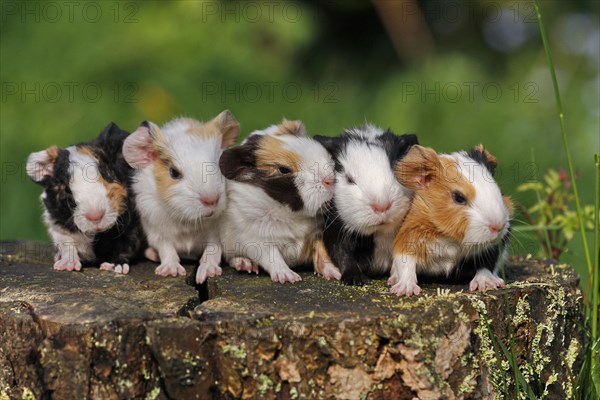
(458, 225)
(368, 204)
(280, 179)
(179, 189)
(88, 209)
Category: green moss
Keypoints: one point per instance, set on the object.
(153, 394)
(238, 352)
(264, 384)
(293, 393)
(27, 394)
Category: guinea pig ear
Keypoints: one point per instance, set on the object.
(226, 123)
(417, 169)
(484, 157)
(397, 146)
(41, 164)
(331, 144)
(295, 128)
(239, 163)
(139, 149)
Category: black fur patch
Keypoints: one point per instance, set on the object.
(353, 253)
(125, 239)
(480, 158)
(239, 164)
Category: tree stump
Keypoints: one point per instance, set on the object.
(98, 335)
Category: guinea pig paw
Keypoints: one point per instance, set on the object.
(392, 280)
(173, 269)
(244, 264)
(122, 269)
(405, 289)
(106, 266)
(65, 264)
(485, 280)
(331, 272)
(284, 276)
(207, 270)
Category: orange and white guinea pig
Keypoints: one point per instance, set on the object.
(458, 225)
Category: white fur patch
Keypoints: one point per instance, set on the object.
(89, 192)
(374, 183)
(487, 208)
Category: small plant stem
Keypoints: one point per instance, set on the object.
(563, 130)
(594, 277)
(544, 230)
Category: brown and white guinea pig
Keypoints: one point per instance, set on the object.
(87, 208)
(458, 225)
(280, 179)
(368, 204)
(179, 189)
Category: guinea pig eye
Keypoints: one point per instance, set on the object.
(175, 174)
(350, 180)
(284, 170)
(459, 198)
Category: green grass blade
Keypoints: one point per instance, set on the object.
(563, 130)
(595, 281)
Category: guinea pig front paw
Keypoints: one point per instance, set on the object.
(283, 276)
(67, 264)
(207, 270)
(244, 264)
(330, 271)
(406, 288)
(355, 279)
(171, 269)
(485, 279)
(116, 268)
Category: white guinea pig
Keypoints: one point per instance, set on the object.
(458, 225)
(179, 188)
(280, 179)
(368, 205)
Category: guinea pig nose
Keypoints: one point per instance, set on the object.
(328, 181)
(496, 227)
(95, 216)
(209, 201)
(381, 207)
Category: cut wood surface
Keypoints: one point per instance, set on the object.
(98, 335)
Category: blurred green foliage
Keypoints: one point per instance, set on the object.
(67, 70)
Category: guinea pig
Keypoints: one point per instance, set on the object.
(179, 189)
(368, 204)
(88, 211)
(458, 225)
(280, 179)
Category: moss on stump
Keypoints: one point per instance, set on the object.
(95, 334)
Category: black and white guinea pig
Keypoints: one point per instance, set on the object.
(179, 189)
(280, 179)
(458, 226)
(368, 204)
(87, 208)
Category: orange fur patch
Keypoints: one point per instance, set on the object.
(83, 149)
(509, 205)
(164, 182)
(433, 214)
(52, 152)
(223, 127)
(294, 128)
(272, 153)
(117, 193)
(320, 256)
